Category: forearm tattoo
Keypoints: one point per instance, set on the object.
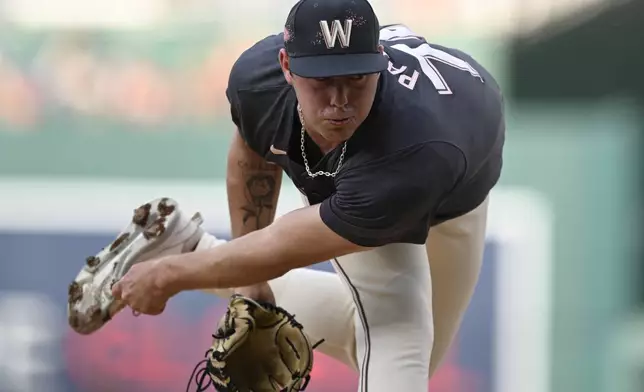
(260, 192)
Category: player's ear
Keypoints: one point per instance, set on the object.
(284, 63)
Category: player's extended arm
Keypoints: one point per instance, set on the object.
(253, 187)
(297, 239)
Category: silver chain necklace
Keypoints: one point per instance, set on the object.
(306, 161)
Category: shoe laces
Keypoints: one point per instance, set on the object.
(200, 375)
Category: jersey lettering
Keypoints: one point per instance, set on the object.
(335, 32)
(426, 56)
(396, 71)
(397, 32)
(407, 81)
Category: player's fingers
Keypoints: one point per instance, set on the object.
(117, 290)
(157, 310)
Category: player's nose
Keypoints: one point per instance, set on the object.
(339, 95)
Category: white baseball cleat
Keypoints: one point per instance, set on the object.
(158, 228)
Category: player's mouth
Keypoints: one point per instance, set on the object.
(339, 121)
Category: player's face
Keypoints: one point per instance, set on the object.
(335, 107)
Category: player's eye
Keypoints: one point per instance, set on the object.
(358, 80)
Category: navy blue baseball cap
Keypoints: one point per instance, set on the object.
(326, 38)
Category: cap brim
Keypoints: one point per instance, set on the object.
(328, 66)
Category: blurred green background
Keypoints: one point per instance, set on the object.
(108, 101)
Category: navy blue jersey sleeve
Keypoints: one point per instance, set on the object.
(233, 99)
(378, 203)
(260, 100)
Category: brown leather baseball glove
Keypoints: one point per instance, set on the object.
(258, 347)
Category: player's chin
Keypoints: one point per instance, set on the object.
(339, 130)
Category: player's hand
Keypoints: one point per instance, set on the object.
(260, 292)
(140, 289)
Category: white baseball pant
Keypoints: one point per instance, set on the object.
(389, 313)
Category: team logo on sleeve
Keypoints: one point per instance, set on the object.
(335, 32)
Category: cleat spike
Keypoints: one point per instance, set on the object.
(155, 229)
(165, 209)
(142, 214)
(197, 218)
(92, 261)
(119, 241)
(75, 293)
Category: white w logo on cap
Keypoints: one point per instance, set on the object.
(337, 31)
